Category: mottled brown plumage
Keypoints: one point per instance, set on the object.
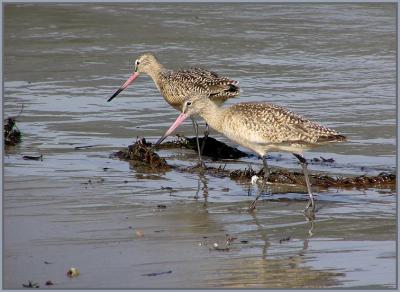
(178, 86)
(261, 127)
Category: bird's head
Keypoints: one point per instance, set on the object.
(197, 103)
(146, 63)
(194, 105)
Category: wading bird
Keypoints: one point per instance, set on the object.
(261, 127)
(176, 86)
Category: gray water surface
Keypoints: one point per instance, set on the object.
(332, 63)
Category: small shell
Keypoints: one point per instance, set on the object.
(139, 233)
(73, 272)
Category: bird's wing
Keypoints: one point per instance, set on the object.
(180, 86)
(210, 80)
(275, 124)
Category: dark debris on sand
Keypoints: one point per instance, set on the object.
(284, 176)
(31, 284)
(12, 135)
(245, 174)
(141, 153)
(215, 149)
(212, 148)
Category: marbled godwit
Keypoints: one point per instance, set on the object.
(261, 127)
(176, 86)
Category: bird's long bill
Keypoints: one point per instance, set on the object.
(125, 85)
(175, 125)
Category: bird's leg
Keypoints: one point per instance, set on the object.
(304, 163)
(196, 196)
(266, 171)
(264, 183)
(206, 132)
(196, 130)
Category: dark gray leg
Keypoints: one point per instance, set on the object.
(303, 163)
(266, 169)
(206, 132)
(264, 183)
(196, 130)
(202, 179)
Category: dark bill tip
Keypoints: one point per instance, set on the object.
(159, 141)
(115, 94)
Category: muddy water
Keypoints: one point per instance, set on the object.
(333, 63)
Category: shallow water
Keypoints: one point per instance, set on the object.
(333, 63)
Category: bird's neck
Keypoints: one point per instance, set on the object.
(155, 71)
(213, 115)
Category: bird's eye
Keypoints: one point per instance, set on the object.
(188, 103)
(137, 62)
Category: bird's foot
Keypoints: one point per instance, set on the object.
(309, 211)
(201, 165)
(252, 206)
(310, 205)
(309, 214)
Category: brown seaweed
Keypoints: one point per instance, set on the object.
(142, 153)
(284, 176)
(12, 135)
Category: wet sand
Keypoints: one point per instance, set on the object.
(275, 247)
(92, 223)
